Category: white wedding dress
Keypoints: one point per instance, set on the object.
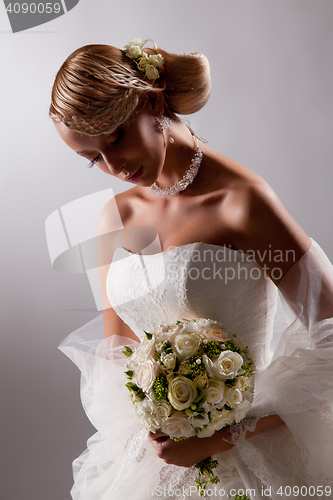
(295, 381)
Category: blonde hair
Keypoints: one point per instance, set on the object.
(98, 87)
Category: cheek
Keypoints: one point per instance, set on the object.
(104, 169)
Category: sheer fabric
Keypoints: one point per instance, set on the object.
(295, 381)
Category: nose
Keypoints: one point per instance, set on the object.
(115, 165)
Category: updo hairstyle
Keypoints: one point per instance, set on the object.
(98, 87)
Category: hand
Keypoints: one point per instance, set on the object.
(188, 452)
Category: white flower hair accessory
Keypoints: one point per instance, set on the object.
(147, 64)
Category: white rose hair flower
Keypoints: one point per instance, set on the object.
(147, 64)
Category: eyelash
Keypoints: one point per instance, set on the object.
(91, 164)
(95, 160)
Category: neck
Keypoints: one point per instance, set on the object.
(179, 154)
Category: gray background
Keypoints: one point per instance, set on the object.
(271, 110)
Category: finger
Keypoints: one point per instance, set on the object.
(157, 436)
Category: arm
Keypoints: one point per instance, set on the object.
(111, 235)
(190, 451)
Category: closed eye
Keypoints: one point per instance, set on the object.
(120, 135)
(95, 160)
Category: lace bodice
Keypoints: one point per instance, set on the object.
(191, 281)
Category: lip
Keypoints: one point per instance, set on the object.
(136, 176)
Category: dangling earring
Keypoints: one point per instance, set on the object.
(165, 124)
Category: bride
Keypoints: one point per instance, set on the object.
(197, 236)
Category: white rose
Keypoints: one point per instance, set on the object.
(162, 410)
(201, 380)
(185, 368)
(165, 332)
(214, 392)
(227, 365)
(151, 72)
(169, 360)
(150, 423)
(156, 60)
(198, 420)
(159, 347)
(178, 426)
(133, 49)
(186, 345)
(244, 383)
(132, 362)
(207, 432)
(148, 405)
(234, 396)
(145, 374)
(144, 61)
(182, 392)
(145, 350)
(241, 410)
(191, 327)
(221, 418)
(132, 399)
(217, 334)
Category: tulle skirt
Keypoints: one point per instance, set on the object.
(291, 461)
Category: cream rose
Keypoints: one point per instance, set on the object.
(234, 396)
(151, 72)
(162, 410)
(227, 365)
(144, 61)
(156, 60)
(191, 327)
(217, 334)
(244, 383)
(186, 345)
(182, 392)
(198, 420)
(168, 360)
(132, 362)
(145, 350)
(133, 49)
(178, 426)
(241, 410)
(206, 432)
(145, 374)
(201, 380)
(150, 422)
(214, 392)
(221, 418)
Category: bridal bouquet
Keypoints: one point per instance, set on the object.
(190, 379)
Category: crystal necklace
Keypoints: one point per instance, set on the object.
(185, 181)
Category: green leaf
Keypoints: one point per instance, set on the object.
(128, 351)
(129, 373)
(167, 347)
(148, 335)
(138, 392)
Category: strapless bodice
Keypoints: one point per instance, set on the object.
(191, 281)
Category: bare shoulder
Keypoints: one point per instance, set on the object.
(117, 212)
(259, 222)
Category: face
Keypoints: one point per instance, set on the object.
(135, 152)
